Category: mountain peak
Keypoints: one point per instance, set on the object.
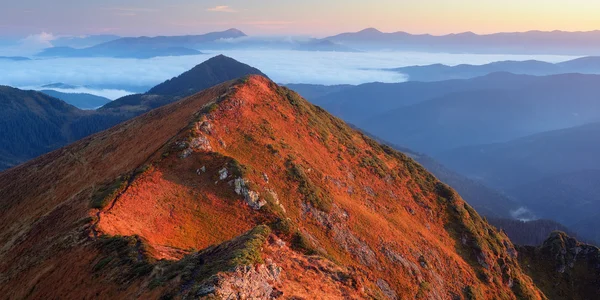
(268, 178)
(211, 72)
(235, 31)
(370, 30)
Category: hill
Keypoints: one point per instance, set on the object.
(486, 201)
(32, 123)
(439, 72)
(31, 130)
(14, 58)
(534, 157)
(556, 173)
(214, 71)
(117, 51)
(563, 267)
(313, 92)
(323, 46)
(358, 104)
(79, 100)
(482, 115)
(528, 233)
(144, 47)
(286, 194)
(531, 42)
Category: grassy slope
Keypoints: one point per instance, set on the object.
(334, 185)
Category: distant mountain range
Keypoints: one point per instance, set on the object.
(144, 47)
(479, 115)
(439, 72)
(556, 173)
(79, 42)
(33, 123)
(544, 158)
(79, 100)
(531, 42)
(14, 58)
(324, 46)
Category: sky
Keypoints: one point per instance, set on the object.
(316, 18)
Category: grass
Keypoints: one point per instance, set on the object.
(106, 193)
(127, 254)
(300, 243)
(473, 293)
(195, 268)
(312, 193)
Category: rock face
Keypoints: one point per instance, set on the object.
(245, 282)
(147, 210)
(563, 267)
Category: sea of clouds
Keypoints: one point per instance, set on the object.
(118, 77)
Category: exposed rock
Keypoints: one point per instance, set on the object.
(186, 153)
(181, 145)
(200, 143)
(205, 127)
(265, 177)
(251, 197)
(386, 289)
(223, 174)
(335, 222)
(399, 259)
(245, 282)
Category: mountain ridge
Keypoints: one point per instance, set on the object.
(164, 165)
(530, 42)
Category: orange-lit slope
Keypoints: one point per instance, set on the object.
(211, 168)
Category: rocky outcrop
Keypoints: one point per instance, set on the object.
(252, 198)
(245, 282)
(563, 267)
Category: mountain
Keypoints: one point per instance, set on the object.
(439, 72)
(134, 51)
(36, 128)
(528, 233)
(145, 47)
(60, 85)
(14, 58)
(358, 104)
(529, 159)
(563, 268)
(487, 201)
(531, 42)
(214, 71)
(79, 100)
(556, 173)
(79, 42)
(243, 189)
(33, 123)
(588, 227)
(482, 115)
(313, 92)
(567, 198)
(323, 46)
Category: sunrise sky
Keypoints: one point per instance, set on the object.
(282, 17)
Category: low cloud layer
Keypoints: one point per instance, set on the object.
(282, 66)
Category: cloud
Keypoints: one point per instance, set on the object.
(43, 39)
(112, 77)
(221, 8)
(523, 214)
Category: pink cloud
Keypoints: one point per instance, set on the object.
(221, 8)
